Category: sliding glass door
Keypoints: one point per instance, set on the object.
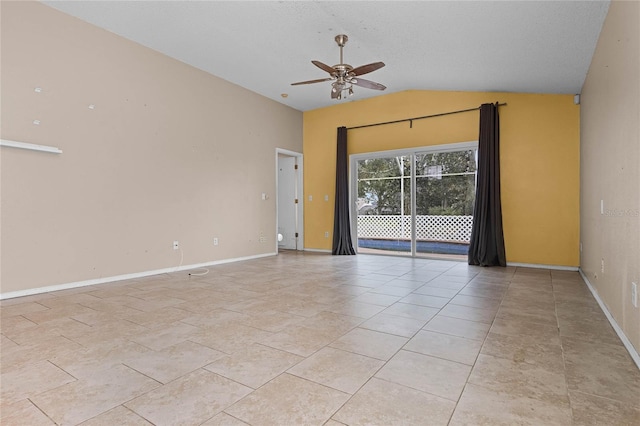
(414, 202)
(445, 194)
(383, 204)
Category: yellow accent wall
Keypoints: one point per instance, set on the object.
(540, 161)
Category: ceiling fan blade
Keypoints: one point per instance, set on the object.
(364, 69)
(324, 67)
(368, 84)
(320, 80)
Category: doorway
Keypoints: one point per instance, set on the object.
(289, 214)
(416, 202)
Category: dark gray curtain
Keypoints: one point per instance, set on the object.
(487, 240)
(341, 224)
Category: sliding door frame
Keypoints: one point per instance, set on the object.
(411, 152)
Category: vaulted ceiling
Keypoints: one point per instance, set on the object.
(264, 46)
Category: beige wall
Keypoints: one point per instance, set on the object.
(168, 153)
(610, 157)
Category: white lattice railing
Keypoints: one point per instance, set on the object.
(428, 228)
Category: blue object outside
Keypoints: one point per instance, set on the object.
(439, 247)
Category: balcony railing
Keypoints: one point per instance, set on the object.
(428, 227)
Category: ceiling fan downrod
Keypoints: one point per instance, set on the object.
(341, 39)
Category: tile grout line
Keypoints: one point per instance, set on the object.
(564, 359)
(480, 351)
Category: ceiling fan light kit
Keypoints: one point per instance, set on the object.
(344, 75)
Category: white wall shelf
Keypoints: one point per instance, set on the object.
(30, 146)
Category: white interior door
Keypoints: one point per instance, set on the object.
(287, 202)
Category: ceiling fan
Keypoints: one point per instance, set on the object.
(344, 76)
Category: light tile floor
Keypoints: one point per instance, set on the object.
(313, 339)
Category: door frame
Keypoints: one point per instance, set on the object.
(300, 195)
(353, 180)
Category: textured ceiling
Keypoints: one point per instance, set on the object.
(507, 46)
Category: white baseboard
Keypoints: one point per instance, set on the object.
(66, 286)
(538, 266)
(318, 250)
(625, 341)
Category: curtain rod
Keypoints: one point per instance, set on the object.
(410, 120)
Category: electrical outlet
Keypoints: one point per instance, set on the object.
(326, 234)
(176, 245)
(215, 241)
(602, 266)
(634, 294)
